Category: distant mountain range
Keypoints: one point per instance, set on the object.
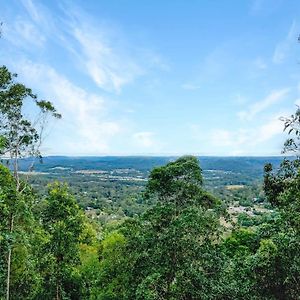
(253, 166)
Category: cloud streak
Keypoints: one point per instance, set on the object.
(109, 70)
(83, 112)
(105, 54)
(101, 51)
(240, 141)
(260, 106)
(283, 48)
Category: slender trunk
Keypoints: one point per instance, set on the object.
(8, 274)
(16, 170)
(11, 227)
(57, 291)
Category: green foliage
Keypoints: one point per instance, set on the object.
(241, 242)
(17, 207)
(7, 200)
(291, 125)
(63, 223)
(171, 252)
(282, 188)
(89, 271)
(19, 135)
(181, 179)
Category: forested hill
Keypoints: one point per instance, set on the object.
(253, 166)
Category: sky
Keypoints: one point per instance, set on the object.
(156, 77)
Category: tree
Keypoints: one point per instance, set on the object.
(263, 261)
(171, 252)
(282, 188)
(19, 136)
(292, 126)
(23, 240)
(181, 180)
(64, 222)
(7, 203)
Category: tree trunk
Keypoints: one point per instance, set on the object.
(11, 226)
(57, 289)
(8, 274)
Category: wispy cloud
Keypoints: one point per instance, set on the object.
(41, 16)
(241, 140)
(108, 58)
(108, 67)
(84, 113)
(260, 106)
(283, 48)
(268, 130)
(33, 28)
(24, 34)
(228, 138)
(32, 10)
(100, 49)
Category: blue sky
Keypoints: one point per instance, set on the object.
(158, 77)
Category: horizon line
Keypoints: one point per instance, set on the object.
(164, 155)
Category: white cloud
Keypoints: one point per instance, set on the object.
(23, 33)
(99, 49)
(32, 10)
(283, 48)
(268, 130)
(108, 57)
(240, 141)
(228, 138)
(109, 69)
(84, 114)
(248, 137)
(104, 54)
(258, 107)
(45, 21)
(100, 52)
